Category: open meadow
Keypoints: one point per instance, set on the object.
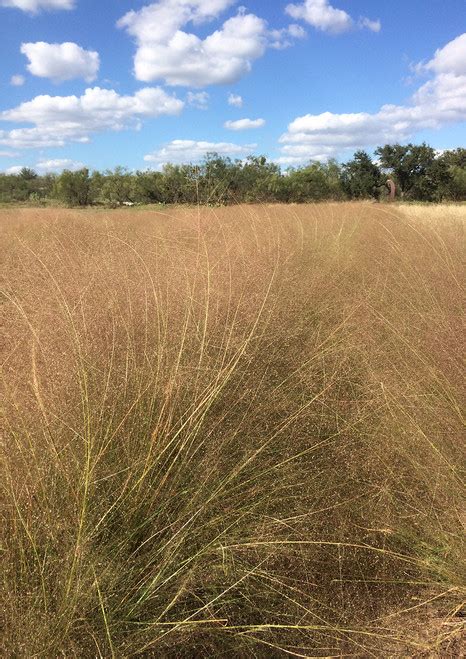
(233, 432)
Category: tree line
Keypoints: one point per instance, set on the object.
(419, 172)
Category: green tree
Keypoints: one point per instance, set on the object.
(455, 157)
(147, 187)
(173, 184)
(73, 188)
(219, 179)
(258, 179)
(117, 186)
(315, 182)
(361, 177)
(411, 166)
(455, 162)
(457, 184)
(27, 174)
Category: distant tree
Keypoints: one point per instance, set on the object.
(315, 182)
(146, 187)
(420, 172)
(73, 188)
(335, 188)
(46, 184)
(173, 184)
(96, 183)
(455, 157)
(27, 174)
(13, 188)
(411, 166)
(258, 179)
(217, 179)
(435, 184)
(117, 186)
(361, 177)
(457, 184)
(455, 162)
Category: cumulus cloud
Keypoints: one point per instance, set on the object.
(244, 124)
(34, 6)
(61, 61)
(449, 59)
(59, 119)
(323, 16)
(57, 165)
(235, 100)
(17, 80)
(198, 100)
(48, 166)
(166, 52)
(14, 170)
(184, 151)
(438, 102)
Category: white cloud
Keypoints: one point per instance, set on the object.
(61, 61)
(17, 80)
(60, 119)
(34, 6)
(49, 166)
(244, 124)
(373, 26)
(235, 100)
(16, 169)
(166, 52)
(199, 100)
(57, 165)
(323, 16)
(438, 102)
(296, 31)
(8, 154)
(185, 151)
(450, 59)
(284, 38)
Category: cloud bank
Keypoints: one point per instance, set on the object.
(438, 102)
(60, 119)
(34, 6)
(57, 165)
(184, 151)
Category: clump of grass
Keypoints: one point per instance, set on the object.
(232, 432)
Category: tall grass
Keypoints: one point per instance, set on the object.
(233, 432)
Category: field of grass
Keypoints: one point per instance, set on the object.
(233, 432)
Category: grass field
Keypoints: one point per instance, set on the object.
(233, 432)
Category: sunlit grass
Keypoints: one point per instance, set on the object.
(233, 432)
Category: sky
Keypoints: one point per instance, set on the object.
(101, 83)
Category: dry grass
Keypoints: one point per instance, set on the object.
(233, 432)
(434, 212)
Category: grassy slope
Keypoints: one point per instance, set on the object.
(233, 432)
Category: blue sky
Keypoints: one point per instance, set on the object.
(108, 82)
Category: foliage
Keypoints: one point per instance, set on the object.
(361, 177)
(73, 188)
(421, 174)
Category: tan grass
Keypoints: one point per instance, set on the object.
(437, 212)
(233, 432)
